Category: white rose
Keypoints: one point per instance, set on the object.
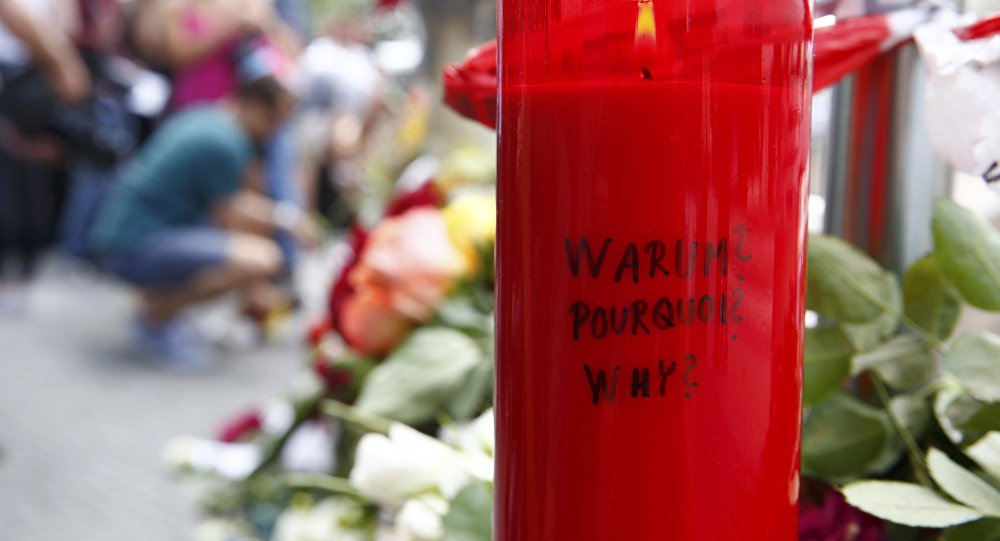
(390, 470)
(422, 519)
(476, 441)
(330, 519)
(219, 530)
(229, 460)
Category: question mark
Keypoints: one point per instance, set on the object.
(692, 363)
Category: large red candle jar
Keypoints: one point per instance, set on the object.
(650, 268)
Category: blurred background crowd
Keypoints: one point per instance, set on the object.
(190, 148)
(176, 181)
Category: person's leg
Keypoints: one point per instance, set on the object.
(88, 189)
(36, 216)
(176, 269)
(9, 172)
(249, 259)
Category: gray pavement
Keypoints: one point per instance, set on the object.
(83, 423)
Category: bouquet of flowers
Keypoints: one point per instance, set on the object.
(390, 431)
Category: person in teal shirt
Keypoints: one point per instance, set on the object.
(189, 223)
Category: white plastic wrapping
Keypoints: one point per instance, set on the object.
(963, 98)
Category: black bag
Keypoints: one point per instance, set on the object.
(28, 102)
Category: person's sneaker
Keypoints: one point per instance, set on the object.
(175, 345)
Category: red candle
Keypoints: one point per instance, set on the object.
(650, 269)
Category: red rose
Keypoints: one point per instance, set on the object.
(241, 427)
(470, 88)
(342, 288)
(335, 378)
(427, 195)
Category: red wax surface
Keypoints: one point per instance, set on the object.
(712, 453)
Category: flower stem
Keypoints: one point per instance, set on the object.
(912, 449)
(368, 421)
(324, 483)
(303, 412)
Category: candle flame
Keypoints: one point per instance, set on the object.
(645, 26)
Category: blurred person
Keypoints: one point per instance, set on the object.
(200, 43)
(30, 34)
(342, 102)
(34, 39)
(188, 223)
(99, 39)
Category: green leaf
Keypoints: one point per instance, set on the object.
(413, 383)
(930, 302)
(868, 336)
(469, 399)
(953, 409)
(967, 249)
(843, 438)
(975, 360)
(985, 420)
(907, 504)
(461, 313)
(903, 362)
(914, 415)
(986, 453)
(827, 363)
(470, 516)
(844, 284)
(981, 530)
(962, 484)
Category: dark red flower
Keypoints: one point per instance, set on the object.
(241, 427)
(470, 88)
(342, 288)
(836, 520)
(319, 330)
(387, 4)
(335, 378)
(427, 195)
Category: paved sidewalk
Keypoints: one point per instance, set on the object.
(83, 424)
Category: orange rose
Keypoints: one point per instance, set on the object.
(407, 266)
(412, 260)
(370, 325)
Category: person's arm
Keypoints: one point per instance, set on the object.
(252, 212)
(193, 32)
(50, 49)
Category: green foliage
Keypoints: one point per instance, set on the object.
(967, 248)
(827, 363)
(470, 516)
(904, 363)
(843, 438)
(975, 360)
(981, 530)
(908, 504)
(844, 284)
(414, 383)
(930, 302)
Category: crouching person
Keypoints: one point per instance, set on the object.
(188, 224)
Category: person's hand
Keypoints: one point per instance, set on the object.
(306, 233)
(69, 78)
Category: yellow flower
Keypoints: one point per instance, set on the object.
(471, 221)
(467, 165)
